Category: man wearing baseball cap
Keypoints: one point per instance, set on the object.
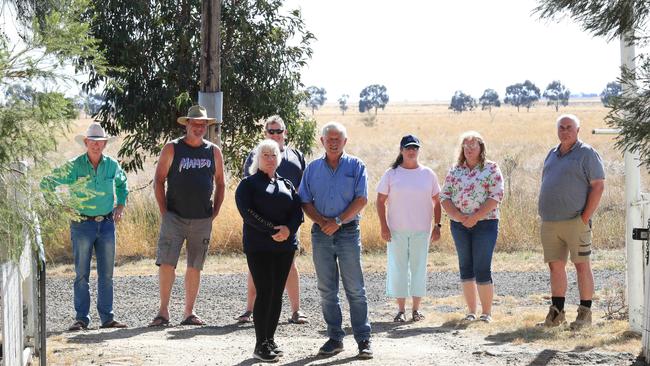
(100, 184)
(192, 169)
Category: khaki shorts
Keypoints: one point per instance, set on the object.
(559, 238)
(174, 230)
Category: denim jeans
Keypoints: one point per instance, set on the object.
(475, 247)
(341, 253)
(98, 236)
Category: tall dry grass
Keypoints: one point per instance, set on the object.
(521, 139)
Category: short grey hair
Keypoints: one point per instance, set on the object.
(572, 117)
(265, 145)
(275, 119)
(334, 126)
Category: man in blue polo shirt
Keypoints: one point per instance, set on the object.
(573, 181)
(333, 191)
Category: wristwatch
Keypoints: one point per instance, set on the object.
(338, 221)
(438, 225)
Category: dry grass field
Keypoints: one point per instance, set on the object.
(519, 140)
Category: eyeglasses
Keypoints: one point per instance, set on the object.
(471, 146)
(412, 147)
(276, 131)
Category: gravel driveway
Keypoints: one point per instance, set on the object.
(225, 343)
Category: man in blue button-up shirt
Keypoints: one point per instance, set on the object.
(333, 191)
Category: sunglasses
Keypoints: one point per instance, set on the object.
(412, 147)
(276, 131)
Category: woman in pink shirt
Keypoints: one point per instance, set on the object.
(407, 201)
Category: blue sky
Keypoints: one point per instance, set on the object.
(426, 50)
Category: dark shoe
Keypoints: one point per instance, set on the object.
(298, 318)
(159, 321)
(193, 320)
(246, 317)
(275, 348)
(264, 353)
(113, 324)
(417, 316)
(78, 325)
(331, 347)
(400, 317)
(365, 351)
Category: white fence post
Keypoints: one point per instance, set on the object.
(12, 315)
(17, 286)
(645, 339)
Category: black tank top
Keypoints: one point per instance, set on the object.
(190, 180)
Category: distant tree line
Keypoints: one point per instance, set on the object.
(525, 95)
(371, 98)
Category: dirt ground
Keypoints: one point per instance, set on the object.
(441, 339)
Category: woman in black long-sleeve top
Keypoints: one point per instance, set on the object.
(271, 209)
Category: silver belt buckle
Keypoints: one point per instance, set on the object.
(99, 218)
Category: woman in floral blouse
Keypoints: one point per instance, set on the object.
(471, 195)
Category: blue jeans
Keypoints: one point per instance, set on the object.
(341, 252)
(100, 236)
(475, 247)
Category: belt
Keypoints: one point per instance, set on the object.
(98, 218)
(350, 224)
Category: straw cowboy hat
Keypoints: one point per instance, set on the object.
(94, 132)
(196, 112)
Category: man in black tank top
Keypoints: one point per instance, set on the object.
(193, 169)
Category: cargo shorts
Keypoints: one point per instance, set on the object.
(561, 238)
(174, 231)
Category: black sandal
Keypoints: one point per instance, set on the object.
(417, 316)
(400, 317)
(246, 317)
(193, 320)
(159, 321)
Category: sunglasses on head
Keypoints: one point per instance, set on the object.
(275, 131)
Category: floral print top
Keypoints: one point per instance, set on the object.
(469, 188)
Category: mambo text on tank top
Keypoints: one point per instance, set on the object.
(193, 163)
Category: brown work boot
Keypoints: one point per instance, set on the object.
(583, 319)
(554, 318)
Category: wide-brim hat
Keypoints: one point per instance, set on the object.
(196, 112)
(94, 132)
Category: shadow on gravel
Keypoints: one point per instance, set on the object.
(190, 332)
(543, 358)
(88, 338)
(409, 329)
(308, 360)
(532, 334)
(304, 361)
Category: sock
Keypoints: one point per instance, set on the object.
(586, 303)
(558, 302)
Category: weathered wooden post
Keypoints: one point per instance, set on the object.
(210, 95)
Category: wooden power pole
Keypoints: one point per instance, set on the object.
(210, 95)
